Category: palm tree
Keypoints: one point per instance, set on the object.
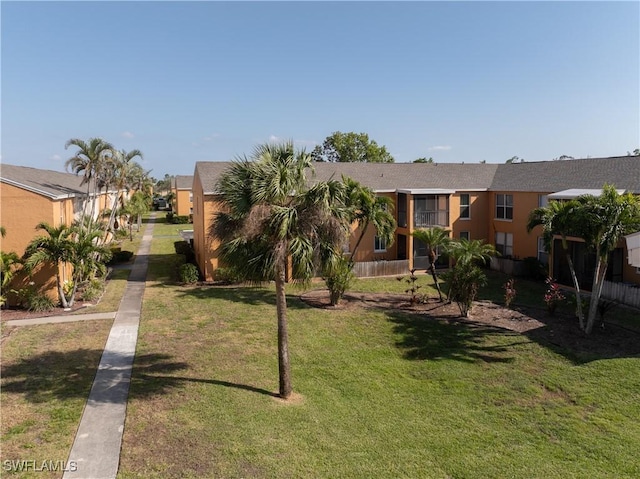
(88, 160)
(471, 251)
(433, 238)
(608, 218)
(270, 218)
(9, 264)
(56, 248)
(87, 258)
(124, 170)
(560, 218)
(368, 209)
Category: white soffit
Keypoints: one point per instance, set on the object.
(427, 191)
(576, 192)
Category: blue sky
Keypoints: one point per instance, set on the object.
(194, 81)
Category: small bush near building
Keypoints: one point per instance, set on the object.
(189, 273)
(120, 256)
(184, 248)
(226, 275)
(93, 290)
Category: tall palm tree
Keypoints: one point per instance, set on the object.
(433, 238)
(56, 248)
(88, 160)
(123, 170)
(270, 217)
(561, 218)
(87, 257)
(608, 218)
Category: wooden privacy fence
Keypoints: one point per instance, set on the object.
(621, 292)
(381, 268)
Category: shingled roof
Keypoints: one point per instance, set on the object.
(49, 183)
(183, 182)
(544, 176)
(589, 173)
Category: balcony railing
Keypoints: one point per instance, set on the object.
(423, 219)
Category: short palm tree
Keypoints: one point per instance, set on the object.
(433, 238)
(269, 217)
(9, 265)
(561, 218)
(471, 251)
(56, 248)
(607, 218)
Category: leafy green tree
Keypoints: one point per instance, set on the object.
(561, 218)
(351, 147)
(608, 218)
(424, 160)
(89, 160)
(515, 159)
(433, 238)
(269, 217)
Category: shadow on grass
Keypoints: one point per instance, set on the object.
(249, 295)
(60, 376)
(423, 338)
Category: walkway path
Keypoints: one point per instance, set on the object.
(96, 449)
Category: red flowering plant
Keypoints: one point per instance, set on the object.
(553, 295)
(509, 291)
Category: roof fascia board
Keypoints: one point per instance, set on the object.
(37, 191)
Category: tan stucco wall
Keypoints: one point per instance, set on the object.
(204, 209)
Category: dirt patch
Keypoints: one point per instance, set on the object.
(10, 314)
(561, 332)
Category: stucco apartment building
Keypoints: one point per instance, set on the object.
(491, 202)
(29, 196)
(182, 189)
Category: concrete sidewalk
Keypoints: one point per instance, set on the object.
(69, 318)
(95, 453)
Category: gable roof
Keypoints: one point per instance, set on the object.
(551, 176)
(544, 176)
(49, 183)
(183, 182)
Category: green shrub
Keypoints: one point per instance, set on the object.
(183, 247)
(338, 279)
(39, 302)
(120, 256)
(189, 273)
(93, 290)
(169, 217)
(226, 275)
(180, 220)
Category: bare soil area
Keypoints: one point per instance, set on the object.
(559, 331)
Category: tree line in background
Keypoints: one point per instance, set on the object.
(84, 243)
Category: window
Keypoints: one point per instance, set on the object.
(543, 256)
(191, 197)
(465, 206)
(465, 235)
(504, 244)
(543, 200)
(431, 210)
(504, 207)
(379, 244)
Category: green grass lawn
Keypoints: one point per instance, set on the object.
(379, 394)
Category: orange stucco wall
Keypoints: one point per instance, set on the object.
(183, 203)
(204, 209)
(365, 250)
(20, 213)
(524, 244)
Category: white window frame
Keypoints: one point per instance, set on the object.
(505, 240)
(543, 201)
(463, 234)
(504, 204)
(379, 244)
(465, 205)
(542, 250)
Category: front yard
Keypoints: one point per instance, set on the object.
(379, 391)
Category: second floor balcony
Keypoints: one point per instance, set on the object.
(425, 219)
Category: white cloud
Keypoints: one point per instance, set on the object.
(55, 158)
(127, 134)
(440, 148)
(211, 137)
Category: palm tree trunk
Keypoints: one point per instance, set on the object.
(432, 270)
(355, 248)
(284, 369)
(596, 291)
(63, 299)
(576, 286)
